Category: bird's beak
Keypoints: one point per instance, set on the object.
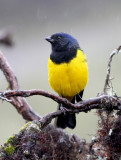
(49, 39)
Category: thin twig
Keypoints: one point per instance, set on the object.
(107, 80)
(28, 93)
(5, 99)
(58, 99)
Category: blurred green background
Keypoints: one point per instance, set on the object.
(97, 26)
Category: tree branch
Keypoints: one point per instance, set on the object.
(82, 106)
(106, 102)
(18, 102)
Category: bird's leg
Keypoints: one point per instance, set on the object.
(63, 109)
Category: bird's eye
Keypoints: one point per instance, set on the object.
(58, 38)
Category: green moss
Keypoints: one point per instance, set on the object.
(25, 126)
(10, 149)
(10, 139)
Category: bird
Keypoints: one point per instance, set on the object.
(68, 73)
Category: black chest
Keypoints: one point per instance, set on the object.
(63, 56)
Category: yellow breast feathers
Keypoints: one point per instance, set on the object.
(68, 79)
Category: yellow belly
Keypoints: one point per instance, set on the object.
(68, 79)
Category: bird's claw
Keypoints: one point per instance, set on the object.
(63, 109)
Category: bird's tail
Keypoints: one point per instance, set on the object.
(67, 120)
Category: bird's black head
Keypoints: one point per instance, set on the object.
(62, 42)
(64, 47)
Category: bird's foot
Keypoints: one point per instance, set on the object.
(63, 109)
